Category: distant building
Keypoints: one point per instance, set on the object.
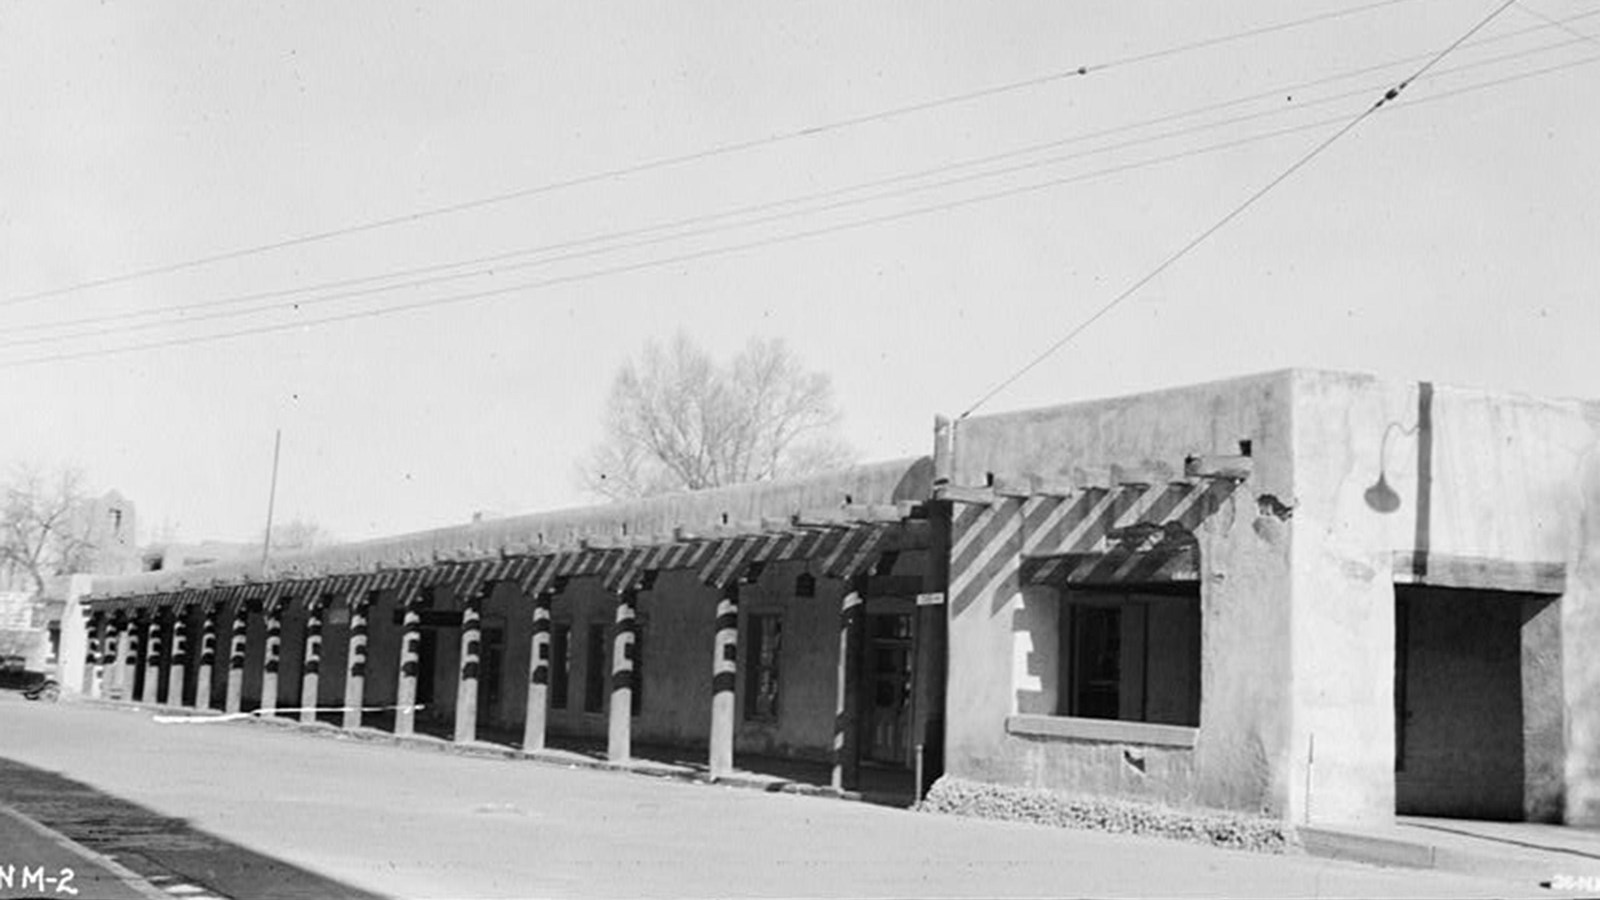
(41, 627)
(1316, 596)
(177, 555)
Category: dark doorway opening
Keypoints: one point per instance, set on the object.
(890, 653)
(1478, 705)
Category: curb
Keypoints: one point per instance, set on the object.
(1382, 851)
(480, 750)
(129, 878)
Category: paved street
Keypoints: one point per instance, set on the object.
(35, 863)
(349, 817)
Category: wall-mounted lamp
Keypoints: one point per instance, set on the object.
(1381, 497)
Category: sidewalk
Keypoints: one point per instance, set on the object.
(885, 786)
(1528, 853)
(38, 862)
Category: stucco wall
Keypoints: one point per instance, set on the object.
(1240, 757)
(679, 617)
(1488, 478)
(808, 661)
(1297, 568)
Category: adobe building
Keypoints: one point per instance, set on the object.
(1317, 596)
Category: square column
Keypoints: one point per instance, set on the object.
(238, 633)
(355, 683)
(269, 659)
(208, 660)
(724, 680)
(533, 726)
(619, 736)
(94, 669)
(152, 659)
(467, 684)
(405, 695)
(180, 656)
(847, 722)
(125, 656)
(312, 661)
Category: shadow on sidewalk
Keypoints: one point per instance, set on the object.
(159, 848)
(882, 785)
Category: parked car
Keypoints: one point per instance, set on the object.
(34, 684)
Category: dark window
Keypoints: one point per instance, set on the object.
(761, 668)
(1133, 656)
(805, 585)
(1097, 661)
(594, 670)
(560, 665)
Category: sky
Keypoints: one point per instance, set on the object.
(931, 193)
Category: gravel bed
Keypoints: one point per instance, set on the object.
(1045, 807)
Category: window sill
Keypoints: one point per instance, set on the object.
(1105, 731)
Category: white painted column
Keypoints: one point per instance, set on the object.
(405, 695)
(847, 727)
(271, 657)
(724, 680)
(208, 660)
(355, 683)
(533, 727)
(312, 660)
(152, 659)
(466, 729)
(619, 738)
(238, 634)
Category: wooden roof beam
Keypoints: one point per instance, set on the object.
(1233, 468)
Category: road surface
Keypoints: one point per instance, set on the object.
(248, 810)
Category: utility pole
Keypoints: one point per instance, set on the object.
(272, 498)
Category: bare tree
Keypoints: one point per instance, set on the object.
(44, 526)
(675, 420)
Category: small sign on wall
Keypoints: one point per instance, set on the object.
(934, 599)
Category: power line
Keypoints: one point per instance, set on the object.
(1388, 97)
(739, 211)
(716, 251)
(1558, 23)
(707, 153)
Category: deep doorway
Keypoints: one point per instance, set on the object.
(1478, 708)
(890, 653)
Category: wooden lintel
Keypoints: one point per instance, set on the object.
(1480, 573)
(955, 493)
(1010, 486)
(1234, 468)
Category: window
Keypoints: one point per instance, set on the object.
(1132, 656)
(1096, 653)
(761, 667)
(560, 665)
(594, 671)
